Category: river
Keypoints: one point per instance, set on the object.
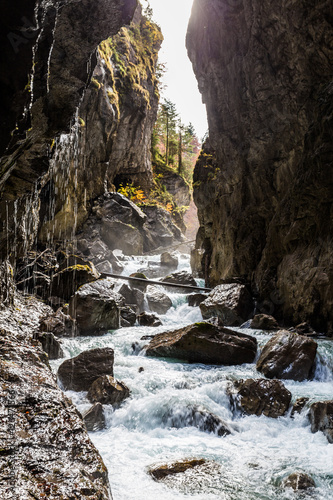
(249, 464)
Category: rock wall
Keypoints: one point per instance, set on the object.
(111, 139)
(263, 183)
(48, 55)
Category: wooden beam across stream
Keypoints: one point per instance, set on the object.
(154, 282)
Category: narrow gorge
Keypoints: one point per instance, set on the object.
(135, 362)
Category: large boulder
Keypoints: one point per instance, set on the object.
(288, 356)
(160, 231)
(158, 301)
(264, 322)
(107, 390)
(261, 397)
(231, 302)
(133, 296)
(204, 343)
(77, 374)
(96, 308)
(180, 278)
(94, 418)
(195, 299)
(321, 418)
(126, 237)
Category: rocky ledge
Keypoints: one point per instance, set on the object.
(46, 451)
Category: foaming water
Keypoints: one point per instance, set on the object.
(150, 427)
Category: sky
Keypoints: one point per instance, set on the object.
(181, 85)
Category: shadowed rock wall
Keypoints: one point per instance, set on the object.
(47, 57)
(263, 184)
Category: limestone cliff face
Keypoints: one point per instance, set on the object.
(263, 184)
(111, 140)
(47, 57)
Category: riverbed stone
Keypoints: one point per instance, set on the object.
(232, 302)
(133, 296)
(149, 319)
(299, 405)
(261, 397)
(204, 343)
(169, 260)
(158, 301)
(288, 356)
(96, 307)
(77, 374)
(128, 316)
(264, 322)
(94, 418)
(107, 390)
(195, 299)
(299, 481)
(162, 471)
(321, 418)
(181, 278)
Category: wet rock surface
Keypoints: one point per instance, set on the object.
(52, 455)
(264, 322)
(169, 260)
(261, 397)
(299, 481)
(287, 356)
(77, 374)
(58, 323)
(195, 299)
(204, 343)
(96, 308)
(94, 418)
(196, 416)
(149, 319)
(158, 301)
(65, 283)
(108, 390)
(321, 418)
(162, 471)
(231, 302)
(50, 344)
(261, 183)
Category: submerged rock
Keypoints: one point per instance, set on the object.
(321, 418)
(158, 301)
(299, 481)
(261, 397)
(94, 418)
(195, 416)
(264, 322)
(162, 471)
(288, 356)
(96, 308)
(204, 343)
(107, 390)
(231, 302)
(77, 374)
(298, 406)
